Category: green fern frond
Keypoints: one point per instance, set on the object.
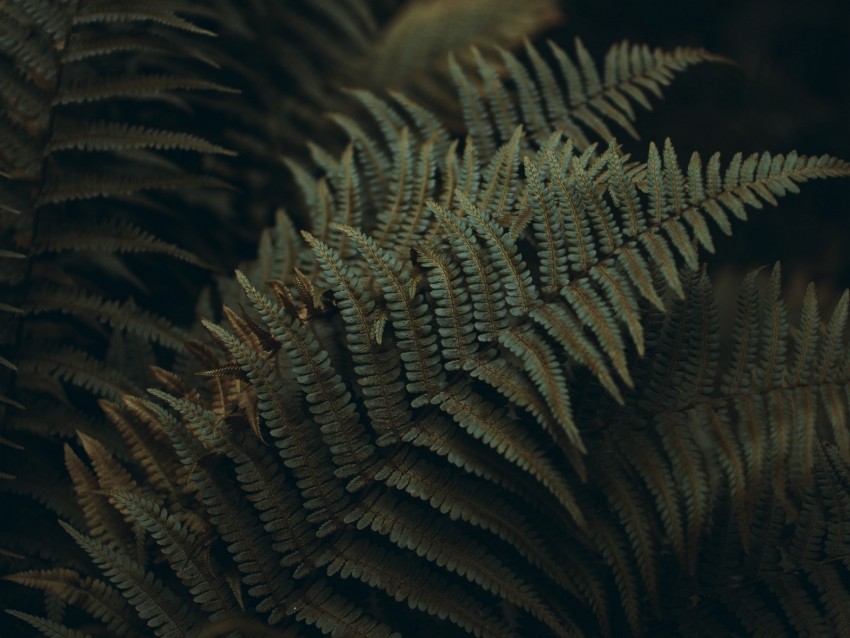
(48, 627)
(89, 186)
(110, 136)
(593, 98)
(142, 86)
(782, 588)
(87, 46)
(117, 11)
(486, 390)
(75, 366)
(155, 604)
(95, 597)
(109, 236)
(208, 589)
(118, 315)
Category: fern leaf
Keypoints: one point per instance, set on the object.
(376, 164)
(120, 316)
(401, 186)
(411, 316)
(500, 178)
(209, 591)
(683, 454)
(548, 225)
(111, 136)
(377, 370)
(484, 285)
(745, 338)
(295, 445)
(158, 462)
(474, 111)
(104, 524)
(487, 422)
(431, 593)
(830, 588)
(48, 627)
(630, 71)
(329, 612)
(444, 546)
(97, 598)
(539, 361)
(85, 46)
(153, 602)
(110, 236)
(106, 11)
(453, 311)
(71, 188)
(233, 519)
(628, 506)
(516, 280)
(426, 123)
(330, 401)
(594, 313)
(110, 473)
(148, 86)
(560, 325)
(77, 367)
(614, 549)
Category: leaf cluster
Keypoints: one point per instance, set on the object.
(484, 387)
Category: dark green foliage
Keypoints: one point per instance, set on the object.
(486, 390)
(91, 167)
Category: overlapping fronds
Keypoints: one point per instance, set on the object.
(579, 98)
(712, 430)
(486, 391)
(393, 173)
(317, 56)
(81, 169)
(399, 411)
(789, 578)
(56, 155)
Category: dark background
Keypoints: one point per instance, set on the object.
(790, 90)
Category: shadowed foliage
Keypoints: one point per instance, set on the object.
(479, 383)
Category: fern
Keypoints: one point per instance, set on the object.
(353, 497)
(73, 138)
(486, 390)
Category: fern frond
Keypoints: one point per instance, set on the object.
(111, 136)
(491, 397)
(442, 545)
(431, 595)
(453, 311)
(95, 597)
(154, 603)
(330, 401)
(107, 11)
(104, 524)
(631, 72)
(208, 590)
(109, 236)
(78, 368)
(48, 627)
(142, 86)
(145, 447)
(378, 370)
(89, 186)
(118, 315)
(227, 512)
(86, 46)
